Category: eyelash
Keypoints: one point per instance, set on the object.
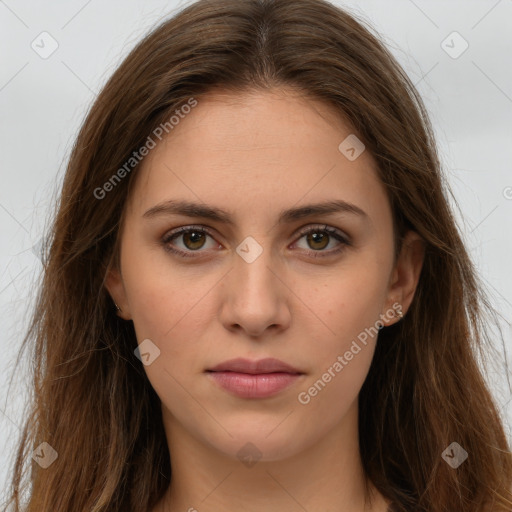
(344, 242)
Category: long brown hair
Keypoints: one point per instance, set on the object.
(92, 402)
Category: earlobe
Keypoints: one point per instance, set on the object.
(405, 275)
(115, 286)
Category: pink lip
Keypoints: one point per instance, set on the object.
(254, 379)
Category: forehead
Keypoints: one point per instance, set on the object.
(261, 148)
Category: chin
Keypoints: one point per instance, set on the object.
(258, 444)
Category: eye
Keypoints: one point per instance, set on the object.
(319, 237)
(194, 238)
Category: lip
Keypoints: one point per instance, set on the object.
(254, 379)
(267, 365)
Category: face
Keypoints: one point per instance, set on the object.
(264, 277)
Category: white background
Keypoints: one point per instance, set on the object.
(43, 102)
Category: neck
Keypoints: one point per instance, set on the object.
(325, 476)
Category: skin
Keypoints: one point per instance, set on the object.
(254, 154)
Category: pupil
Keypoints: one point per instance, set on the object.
(195, 237)
(318, 238)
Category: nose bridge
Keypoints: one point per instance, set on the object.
(252, 272)
(255, 298)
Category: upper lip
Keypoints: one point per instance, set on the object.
(268, 365)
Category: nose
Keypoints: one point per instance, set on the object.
(255, 296)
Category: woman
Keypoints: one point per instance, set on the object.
(256, 296)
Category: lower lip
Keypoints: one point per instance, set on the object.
(260, 385)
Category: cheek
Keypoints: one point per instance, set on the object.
(349, 299)
(174, 309)
(349, 306)
(165, 298)
(341, 365)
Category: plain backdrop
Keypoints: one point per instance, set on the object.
(457, 53)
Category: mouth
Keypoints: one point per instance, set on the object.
(254, 379)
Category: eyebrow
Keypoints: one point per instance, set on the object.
(201, 210)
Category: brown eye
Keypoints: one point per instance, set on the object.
(193, 240)
(320, 237)
(188, 240)
(317, 240)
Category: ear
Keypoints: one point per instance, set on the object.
(404, 277)
(115, 286)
